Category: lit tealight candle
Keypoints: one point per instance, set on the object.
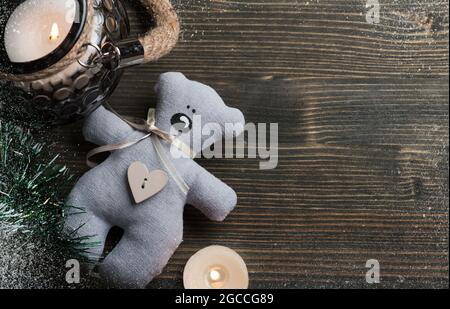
(216, 267)
(37, 27)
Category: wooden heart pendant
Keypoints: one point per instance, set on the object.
(145, 184)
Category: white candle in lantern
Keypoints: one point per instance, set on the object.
(38, 27)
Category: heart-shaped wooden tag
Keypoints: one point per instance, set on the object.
(145, 184)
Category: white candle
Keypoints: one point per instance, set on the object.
(66, 76)
(216, 267)
(38, 27)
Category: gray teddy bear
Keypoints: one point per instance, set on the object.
(153, 229)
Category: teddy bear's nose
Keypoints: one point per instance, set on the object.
(181, 123)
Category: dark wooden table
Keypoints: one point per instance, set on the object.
(364, 137)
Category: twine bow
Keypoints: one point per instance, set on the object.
(146, 126)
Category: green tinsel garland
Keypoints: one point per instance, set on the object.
(32, 211)
(16, 107)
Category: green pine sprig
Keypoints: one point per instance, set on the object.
(32, 197)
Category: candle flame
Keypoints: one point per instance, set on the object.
(217, 277)
(54, 33)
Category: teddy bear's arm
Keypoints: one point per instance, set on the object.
(211, 196)
(103, 127)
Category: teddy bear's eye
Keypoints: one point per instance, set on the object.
(181, 122)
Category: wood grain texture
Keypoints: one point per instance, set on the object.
(364, 137)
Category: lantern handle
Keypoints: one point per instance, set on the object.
(156, 43)
(162, 38)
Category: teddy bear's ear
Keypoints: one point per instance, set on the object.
(237, 120)
(166, 80)
(103, 127)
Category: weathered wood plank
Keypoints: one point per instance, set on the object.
(363, 115)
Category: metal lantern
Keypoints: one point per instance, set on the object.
(69, 55)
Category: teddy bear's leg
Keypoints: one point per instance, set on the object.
(89, 226)
(139, 257)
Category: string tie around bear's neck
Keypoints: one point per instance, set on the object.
(148, 127)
